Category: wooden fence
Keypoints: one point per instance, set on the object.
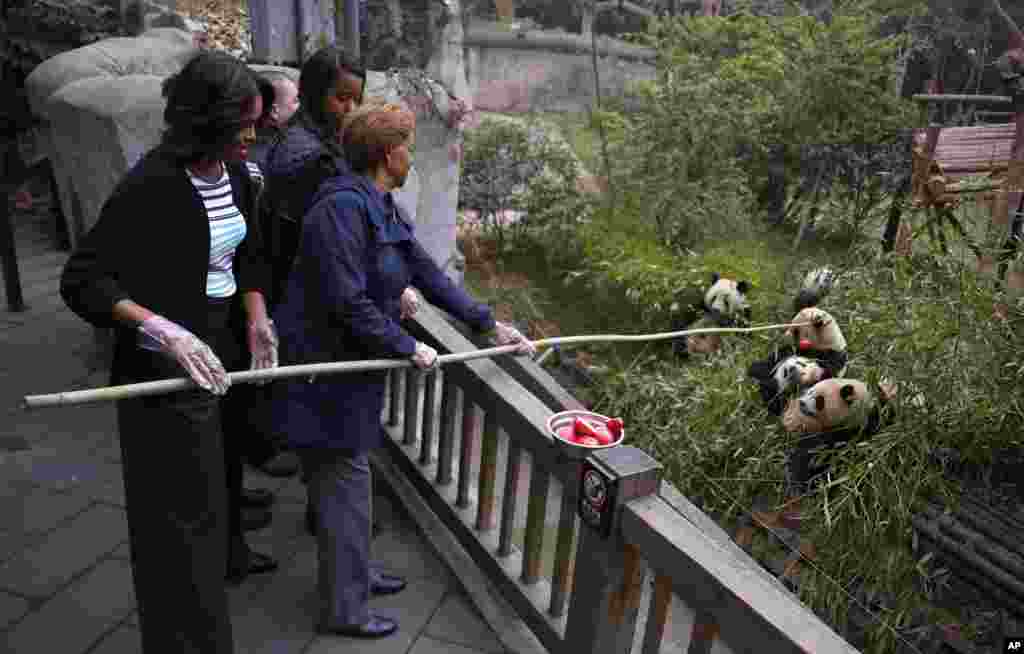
(468, 451)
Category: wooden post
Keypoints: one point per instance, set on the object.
(10, 168)
(609, 573)
(9, 256)
(1014, 185)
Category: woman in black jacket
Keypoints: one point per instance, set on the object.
(175, 265)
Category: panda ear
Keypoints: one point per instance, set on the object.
(714, 278)
(848, 393)
(743, 286)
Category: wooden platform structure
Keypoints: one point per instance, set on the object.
(944, 156)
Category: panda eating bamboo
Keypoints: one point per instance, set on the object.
(724, 305)
(816, 350)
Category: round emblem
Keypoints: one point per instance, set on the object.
(595, 489)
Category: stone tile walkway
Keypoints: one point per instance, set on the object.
(65, 579)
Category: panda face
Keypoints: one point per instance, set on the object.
(822, 333)
(831, 402)
(797, 372)
(726, 300)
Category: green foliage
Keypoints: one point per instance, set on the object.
(726, 90)
(931, 332)
(512, 165)
(744, 84)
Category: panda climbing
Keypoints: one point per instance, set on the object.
(724, 305)
(816, 351)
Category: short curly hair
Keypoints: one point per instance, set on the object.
(371, 129)
(205, 105)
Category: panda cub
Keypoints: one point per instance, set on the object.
(830, 414)
(779, 381)
(817, 350)
(725, 305)
(816, 285)
(821, 339)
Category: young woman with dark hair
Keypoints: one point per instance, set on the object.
(308, 151)
(175, 266)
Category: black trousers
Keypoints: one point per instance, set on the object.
(179, 474)
(176, 497)
(246, 423)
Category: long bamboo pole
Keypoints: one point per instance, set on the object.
(162, 386)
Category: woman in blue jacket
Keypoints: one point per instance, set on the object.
(356, 255)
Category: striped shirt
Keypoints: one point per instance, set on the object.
(227, 229)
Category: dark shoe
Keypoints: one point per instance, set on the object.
(254, 519)
(259, 498)
(384, 584)
(376, 627)
(285, 464)
(257, 564)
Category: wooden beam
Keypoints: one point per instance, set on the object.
(945, 98)
(502, 616)
(480, 546)
(755, 615)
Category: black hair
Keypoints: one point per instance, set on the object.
(268, 92)
(205, 105)
(317, 80)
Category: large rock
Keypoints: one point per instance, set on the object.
(103, 107)
(104, 110)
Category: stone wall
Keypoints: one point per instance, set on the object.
(555, 73)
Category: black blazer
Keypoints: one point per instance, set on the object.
(151, 245)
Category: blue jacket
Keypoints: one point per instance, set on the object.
(356, 255)
(297, 161)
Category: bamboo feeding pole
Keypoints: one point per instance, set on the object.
(163, 386)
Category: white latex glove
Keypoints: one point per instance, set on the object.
(195, 356)
(263, 345)
(410, 302)
(425, 356)
(505, 334)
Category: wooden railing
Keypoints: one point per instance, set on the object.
(468, 452)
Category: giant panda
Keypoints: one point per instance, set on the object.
(778, 380)
(815, 286)
(816, 351)
(821, 339)
(830, 414)
(724, 305)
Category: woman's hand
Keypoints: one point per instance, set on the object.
(505, 334)
(195, 356)
(263, 344)
(409, 302)
(425, 356)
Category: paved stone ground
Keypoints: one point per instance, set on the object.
(65, 579)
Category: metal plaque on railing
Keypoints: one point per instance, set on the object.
(611, 478)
